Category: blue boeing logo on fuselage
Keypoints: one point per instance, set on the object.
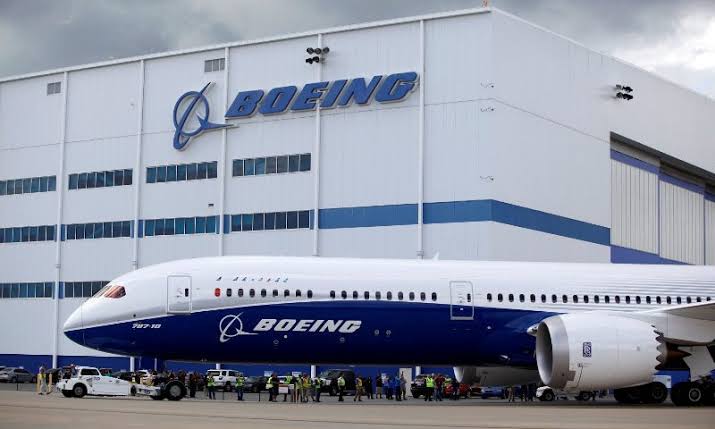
(326, 95)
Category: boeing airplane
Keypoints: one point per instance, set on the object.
(573, 326)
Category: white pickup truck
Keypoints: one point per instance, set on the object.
(88, 380)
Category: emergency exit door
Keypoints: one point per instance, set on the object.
(178, 293)
(461, 301)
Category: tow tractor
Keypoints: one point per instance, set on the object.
(87, 380)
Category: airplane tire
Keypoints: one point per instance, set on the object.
(654, 393)
(687, 394)
(174, 391)
(548, 396)
(709, 395)
(78, 391)
(627, 395)
(157, 398)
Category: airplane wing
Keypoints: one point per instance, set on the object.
(700, 311)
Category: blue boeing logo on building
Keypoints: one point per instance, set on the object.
(192, 101)
(326, 95)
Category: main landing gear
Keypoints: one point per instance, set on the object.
(682, 394)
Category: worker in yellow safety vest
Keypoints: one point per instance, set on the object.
(240, 381)
(341, 387)
(429, 384)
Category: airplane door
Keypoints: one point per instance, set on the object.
(461, 301)
(178, 293)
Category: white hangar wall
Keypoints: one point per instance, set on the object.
(511, 147)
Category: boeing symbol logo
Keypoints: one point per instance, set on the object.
(231, 326)
(192, 102)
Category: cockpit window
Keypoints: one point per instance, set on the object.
(102, 291)
(115, 292)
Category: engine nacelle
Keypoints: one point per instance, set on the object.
(591, 351)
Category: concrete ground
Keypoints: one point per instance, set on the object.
(23, 409)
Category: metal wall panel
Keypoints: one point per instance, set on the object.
(681, 224)
(634, 208)
(710, 232)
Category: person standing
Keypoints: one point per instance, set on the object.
(455, 389)
(192, 385)
(306, 387)
(438, 386)
(358, 389)
(41, 379)
(368, 388)
(429, 387)
(273, 393)
(403, 386)
(378, 386)
(210, 385)
(317, 385)
(341, 387)
(240, 380)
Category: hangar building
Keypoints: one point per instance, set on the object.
(463, 135)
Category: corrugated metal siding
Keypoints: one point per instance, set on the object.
(710, 232)
(681, 224)
(634, 208)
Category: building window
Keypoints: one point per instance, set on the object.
(28, 185)
(270, 221)
(26, 290)
(100, 179)
(214, 65)
(54, 88)
(27, 233)
(182, 172)
(82, 231)
(271, 165)
(83, 289)
(180, 226)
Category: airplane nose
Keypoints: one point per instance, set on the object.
(73, 327)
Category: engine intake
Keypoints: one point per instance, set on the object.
(590, 351)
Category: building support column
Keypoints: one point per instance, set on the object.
(224, 168)
(313, 371)
(58, 228)
(421, 148)
(316, 162)
(418, 370)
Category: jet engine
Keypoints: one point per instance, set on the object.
(597, 351)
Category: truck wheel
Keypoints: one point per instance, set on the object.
(547, 396)
(583, 396)
(415, 395)
(333, 391)
(174, 391)
(67, 393)
(79, 390)
(227, 387)
(709, 397)
(133, 391)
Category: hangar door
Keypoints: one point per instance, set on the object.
(178, 294)
(461, 296)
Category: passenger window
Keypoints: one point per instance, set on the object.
(532, 298)
(434, 296)
(332, 294)
(500, 297)
(286, 293)
(400, 296)
(186, 292)
(310, 293)
(511, 297)
(553, 299)
(688, 300)
(668, 300)
(229, 292)
(423, 296)
(596, 299)
(657, 300)
(628, 299)
(564, 299)
(585, 299)
(252, 292)
(275, 292)
(344, 294)
(412, 296)
(240, 292)
(638, 299)
(489, 297)
(698, 299)
(608, 299)
(469, 297)
(521, 297)
(647, 299)
(389, 296)
(355, 294)
(679, 300)
(575, 299)
(378, 295)
(618, 299)
(543, 298)
(366, 295)
(298, 292)
(263, 293)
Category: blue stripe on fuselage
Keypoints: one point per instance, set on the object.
(390, 333)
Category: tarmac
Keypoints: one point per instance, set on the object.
(25, 409)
